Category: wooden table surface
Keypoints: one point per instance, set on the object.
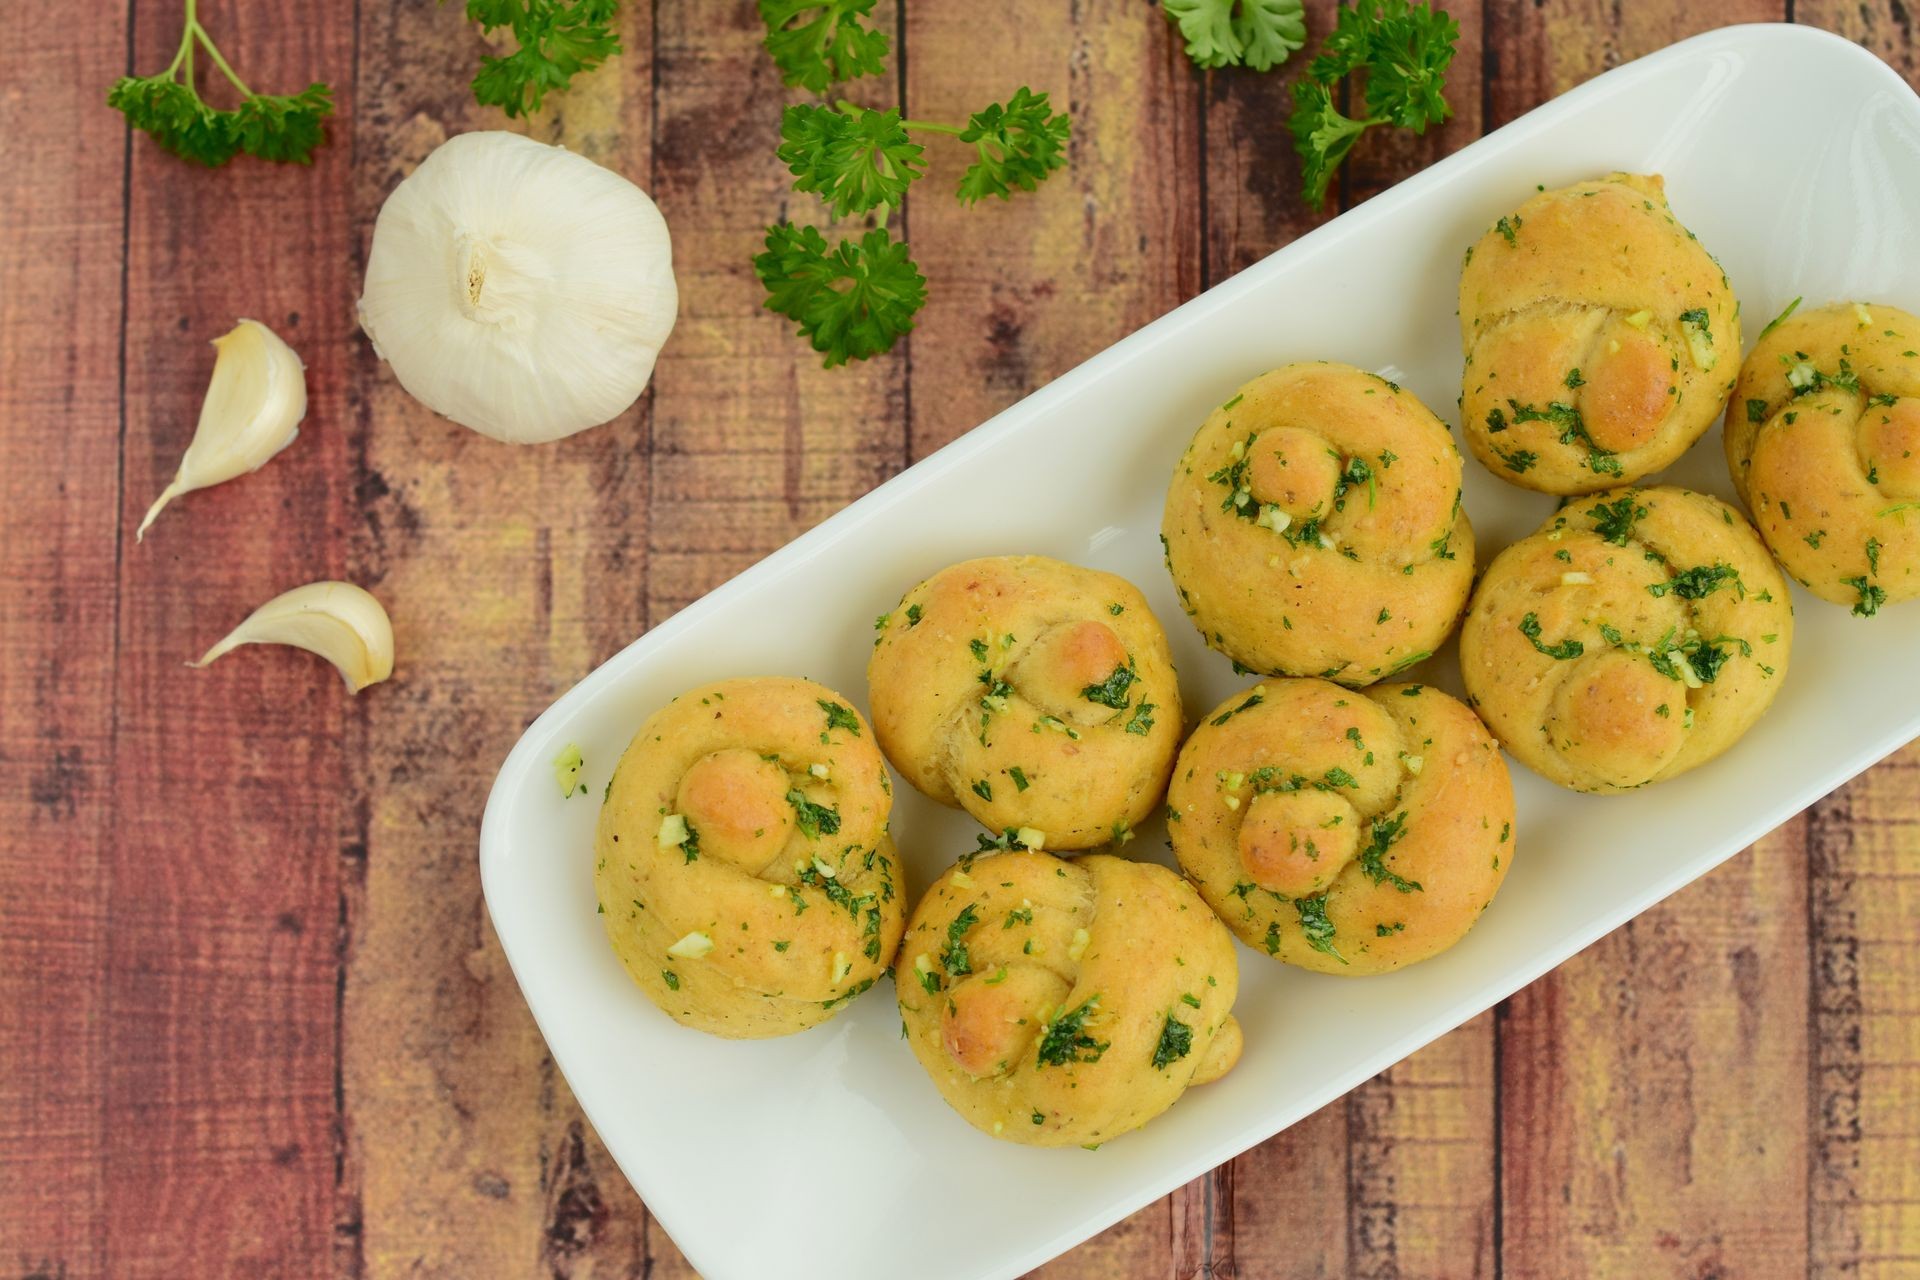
(253, 1021)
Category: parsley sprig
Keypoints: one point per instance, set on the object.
(816, 43)
(854, 298)
(1233, 33)
(168, 108)
(1404, 49)
(557, 40)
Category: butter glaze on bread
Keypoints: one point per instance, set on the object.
(1340, 831)
(1823, 439)
(1601, 338)
(1635, 635)
(745, 874)
(1313, 526)
(1061, 1003)
(1031, 693)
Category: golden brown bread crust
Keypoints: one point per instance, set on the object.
(744, 871)
(1031, 693)
(1348, 833)
(1313, 526)
(1601, 339)
(1823, 439)
(1635, 635)
(1062, 1003)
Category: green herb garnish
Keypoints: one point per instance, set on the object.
(839, 717)
(1239, 33)
(1065, 1039)
(556, 39)
(813, 819)
(1176, 1041)
(953, 956)
(1252, 701)
(1314, 923)
(1111, 692)
(168, 108)
(1404, 49)
(1566, 649)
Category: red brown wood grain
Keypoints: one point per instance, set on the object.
(253, 1021)
(60, 334)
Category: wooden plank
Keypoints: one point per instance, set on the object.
(753, 441)
(1652, 1088)
(1021, 291)
(1864, 1216)
(1538, 49)
(1280, 1209)
(1884, 26)
(62, 200)
(1385, 156)
(1863, 847)
(1398, 1177)
(1634, 1078)
(228, 783)
(511, 573)
(1253, 202)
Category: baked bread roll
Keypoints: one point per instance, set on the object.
(1601, 338)
(1059, 1003)
(1823, 439)
(744, 871)
(1343, 832)
(1633, 636)
(1313, 526)
(1038, 696)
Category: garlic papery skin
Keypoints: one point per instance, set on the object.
(337, 620)
(519, 289)
(255, 402)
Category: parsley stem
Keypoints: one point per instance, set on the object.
(184, 54)
(855, 110)
(213, 51)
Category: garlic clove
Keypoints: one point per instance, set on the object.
(519, 289)
(252, 410)
(336, 620)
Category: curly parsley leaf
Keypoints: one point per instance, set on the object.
(1111, 692)
(1565, 651)
(1322, 136)
(1404, 50)
(814, 820)
(1315, 924)
(1176, 1042)
(1228, 33)
(1066, 1039)
(556, 39)
(816, 43)
(1871, 597)
(168, 108)
(856, 160)
(1698, 582)
(1019, 142)
(852, 301)
(954, 957)
(1614, 521)
(1381, 835)
(839, 717)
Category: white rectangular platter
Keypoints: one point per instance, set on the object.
(1795, 157)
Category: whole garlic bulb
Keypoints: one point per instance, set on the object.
(518, 288)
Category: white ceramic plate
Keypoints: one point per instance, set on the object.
(1796, 158)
